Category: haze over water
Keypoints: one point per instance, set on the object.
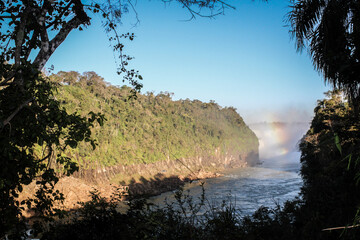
(276, 180)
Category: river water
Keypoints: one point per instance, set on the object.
(276, 180)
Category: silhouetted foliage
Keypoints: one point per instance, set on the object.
(330, 30)
(99, 219)
(330, 150)
(330, 165)
(29, 142)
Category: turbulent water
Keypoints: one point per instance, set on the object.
(276, 180)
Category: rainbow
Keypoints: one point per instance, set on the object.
(278, 138)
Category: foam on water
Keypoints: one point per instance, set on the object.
(252, 187)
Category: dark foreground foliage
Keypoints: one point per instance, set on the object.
(100, 219)
(185, 218)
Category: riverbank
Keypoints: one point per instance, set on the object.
(132, 181)
(76, 190)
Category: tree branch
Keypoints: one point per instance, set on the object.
(40, 29)
(340, 228)
(32, 43)
(7, 121)
(19, 38)
(12, 17)
(216, 7)
(61, 14)
(48, 49)
(7, 79)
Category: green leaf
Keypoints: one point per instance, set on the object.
(337, 142)
(348, 167)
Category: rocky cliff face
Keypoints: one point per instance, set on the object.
(177, 167)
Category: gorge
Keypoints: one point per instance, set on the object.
(148, 143)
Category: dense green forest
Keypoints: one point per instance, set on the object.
(146, 128)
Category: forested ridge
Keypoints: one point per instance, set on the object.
(147, 128)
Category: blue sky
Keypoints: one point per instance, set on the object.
(243, 59)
